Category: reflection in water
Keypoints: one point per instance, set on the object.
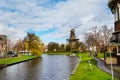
(50, 67)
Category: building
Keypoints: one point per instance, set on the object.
(3, 45)
(114, 5)
(72, 40)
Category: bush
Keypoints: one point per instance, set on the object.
(114, 52)
(76, 51)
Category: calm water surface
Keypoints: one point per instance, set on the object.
(49, 67)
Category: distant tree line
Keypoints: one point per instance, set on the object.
(56, 47)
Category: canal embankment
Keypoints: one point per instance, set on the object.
(14, 60)
(74, 70)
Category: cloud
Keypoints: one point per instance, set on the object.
(43, 15)
(11, 32)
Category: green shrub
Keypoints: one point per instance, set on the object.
(114, 52)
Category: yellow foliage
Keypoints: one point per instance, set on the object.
(34, 45)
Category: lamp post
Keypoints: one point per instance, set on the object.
(111, 67)
(111, 63)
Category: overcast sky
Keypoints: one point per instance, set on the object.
(49, 18)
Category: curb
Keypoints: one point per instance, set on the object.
(74, 70)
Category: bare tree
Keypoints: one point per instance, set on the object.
(98, 37)
(89, 39)
(106, 35)
(93, 38)
(18, 46)
(9, 45)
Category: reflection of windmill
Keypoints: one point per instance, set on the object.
(73, 40)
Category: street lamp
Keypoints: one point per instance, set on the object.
(111, 63)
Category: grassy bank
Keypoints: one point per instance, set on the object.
(87, 70)
(8, 61)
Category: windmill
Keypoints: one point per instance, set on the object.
(72, 39)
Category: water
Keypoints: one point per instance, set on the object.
(49, 67)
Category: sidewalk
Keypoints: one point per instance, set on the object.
(102, 65)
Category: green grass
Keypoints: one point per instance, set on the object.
(84, 72)
(100, 55)
(13, 60)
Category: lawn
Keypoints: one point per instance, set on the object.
(13, 60)
(87, 70)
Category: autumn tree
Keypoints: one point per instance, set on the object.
(33, 44)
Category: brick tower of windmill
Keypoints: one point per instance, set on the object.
(72, 40)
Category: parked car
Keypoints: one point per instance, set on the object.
(13, 54)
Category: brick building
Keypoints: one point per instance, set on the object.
(114, 5)
(3, 45)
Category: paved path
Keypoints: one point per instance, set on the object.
(102, 65)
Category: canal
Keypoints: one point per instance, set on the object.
(49, 67)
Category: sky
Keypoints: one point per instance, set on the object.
(50, 19)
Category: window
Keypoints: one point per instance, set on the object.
(115, 14)
(118, 10)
